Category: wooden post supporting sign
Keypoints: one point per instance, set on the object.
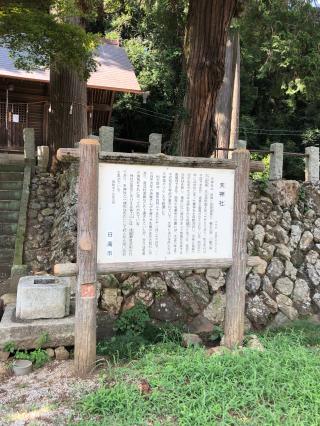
(235, 286)
(85, 320)
(222, 183)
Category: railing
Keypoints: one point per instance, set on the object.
(109, 142)
(277, 154)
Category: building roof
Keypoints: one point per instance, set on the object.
(114, 70)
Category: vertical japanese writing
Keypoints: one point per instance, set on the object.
(124, 213)
(211, 212)
(131, 215)
(199, 212)
(151, 218)
(154, 213)
(138, 199)
(144, 213)
(182, 212)
(170, 214)
(187, 215)
(193, 216)
(175, 213)
(157, 215)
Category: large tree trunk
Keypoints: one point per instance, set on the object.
(68, 116)
(205, 45)
(68, 97)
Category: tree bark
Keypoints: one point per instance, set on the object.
(205, 44)
(68, 99)
(223, 111)
(68, 115)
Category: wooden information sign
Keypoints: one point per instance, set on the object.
(141, 212)
(164, 214)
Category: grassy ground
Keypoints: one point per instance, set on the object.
(169, 385)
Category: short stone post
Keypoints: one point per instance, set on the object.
(276, 161)
(29, 144)
(106, 136)
(241, 144)
(312, 164)
(42, 158)
(155, 140)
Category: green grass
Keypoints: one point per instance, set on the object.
(280, 386)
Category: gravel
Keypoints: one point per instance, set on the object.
(47, 396)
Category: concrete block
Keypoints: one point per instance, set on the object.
(42, 297)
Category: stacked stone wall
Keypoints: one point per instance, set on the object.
(40, 218)
(283, 233)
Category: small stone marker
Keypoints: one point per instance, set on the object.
(276, 161)
(43, 158)
(155, 140)
(42, 297)
(29, 144)
(106, 135)
(312, 164)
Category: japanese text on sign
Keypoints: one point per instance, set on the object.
(155, 213)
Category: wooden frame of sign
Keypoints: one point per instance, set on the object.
(87, 266)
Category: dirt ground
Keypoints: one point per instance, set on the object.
(47, 396)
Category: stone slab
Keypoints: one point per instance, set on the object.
(25, 334)
(42, 297)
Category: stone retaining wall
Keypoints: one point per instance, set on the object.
(283, 232)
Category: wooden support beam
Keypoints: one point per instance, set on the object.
(71, 269)
(235, 284)
(85, 320)
(72, 154)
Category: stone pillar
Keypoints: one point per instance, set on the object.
(29, 144)
(106, 135)
(312, 164)
(276, 161)
(155, 140)
(43, 158)
(241, 144)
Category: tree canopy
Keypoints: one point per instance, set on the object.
(279, 60)
(40, 33)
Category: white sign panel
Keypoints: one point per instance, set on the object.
(15, 118)
(159, 213)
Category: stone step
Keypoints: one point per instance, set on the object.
(7, 216)
(7, 241)
(10, 185)
(11, 176)
(6, 255)
(5, 270)
(9, 205)
(12, 167)
(10, 194)
(8, 228)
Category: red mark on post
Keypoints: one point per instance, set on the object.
(87, 290)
